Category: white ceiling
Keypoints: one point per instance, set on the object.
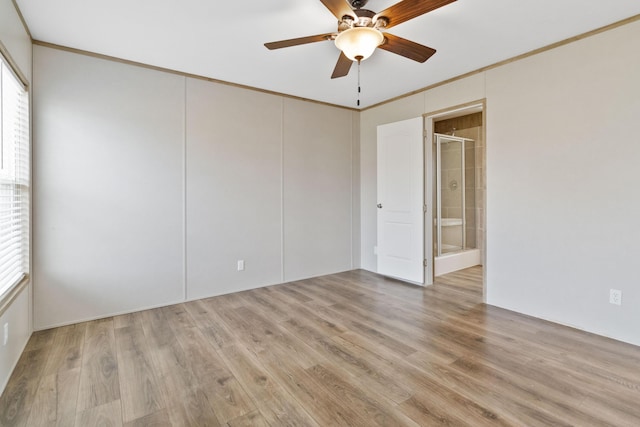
(224, 40)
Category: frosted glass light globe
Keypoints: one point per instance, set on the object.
(358, 43)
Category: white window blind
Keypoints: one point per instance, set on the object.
(14, 179)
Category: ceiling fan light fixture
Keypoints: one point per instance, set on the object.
(358, 43)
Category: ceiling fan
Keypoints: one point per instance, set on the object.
(360, 31)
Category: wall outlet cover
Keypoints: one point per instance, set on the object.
(615, 296)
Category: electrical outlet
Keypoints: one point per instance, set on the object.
(615, 296)
(240, 265)
(6, 334)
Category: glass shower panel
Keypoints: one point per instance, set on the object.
(470, 227)
(452, 186)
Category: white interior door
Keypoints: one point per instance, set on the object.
(401, 200)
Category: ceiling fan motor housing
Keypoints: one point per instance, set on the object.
(357, 4)
(365, 19)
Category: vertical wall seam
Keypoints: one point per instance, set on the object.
(351, 243)
(184, 189)
(282, 190)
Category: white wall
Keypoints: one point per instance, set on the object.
(317, 189)
(150, 186)
(562, 167)
(563, 163)
(108, 187)
(234, 185)
(17, 42)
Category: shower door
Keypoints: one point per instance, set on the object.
(450, 194)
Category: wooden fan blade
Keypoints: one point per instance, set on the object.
(342, 66)
(409, 9)
(339, 8)
(406, 48)
(302, 40)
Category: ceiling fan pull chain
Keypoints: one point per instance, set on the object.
(358, 83)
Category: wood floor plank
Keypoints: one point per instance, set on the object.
(370, 327)
(516, 395)
(139, 389)
(179, 384)
(594, 377)
(66, 349)
(252, 419)
(615, 414)
(43, 411)
(266, 304)
(173, 370)
(41, 339)
(368, 406)
(394, 330)
(318, 315)
(514, 404)
(278, 340)
(106, 415)
(157, 419)
(210, 323)
(56, 399)
(347, 349)
(200, 356)
(412, 329)
(327, 410)
(597, 389)
(124, 320)
(233, 300)
(438, 388)
(99, 383)
(20, 393)
(175, 377)
(157, 328)
(276, 405)
(312, 289)
(178, 317)
(193, 409)
(243, 330)
(227, 398)
(353, 364)
(291, 293)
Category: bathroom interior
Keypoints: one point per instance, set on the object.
(459, 193)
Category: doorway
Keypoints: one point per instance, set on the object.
(458, 190)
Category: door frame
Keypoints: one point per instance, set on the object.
(429, 176)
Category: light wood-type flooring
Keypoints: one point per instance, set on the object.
(351, 349)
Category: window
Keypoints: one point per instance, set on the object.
(14, 179)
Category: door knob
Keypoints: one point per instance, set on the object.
(379, 205)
